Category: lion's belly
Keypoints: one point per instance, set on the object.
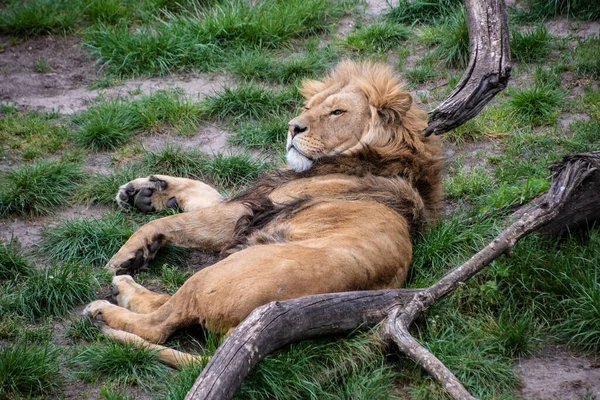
(330, 247)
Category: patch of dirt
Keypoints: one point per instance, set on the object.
(209, 139)
(557, 374)
(64, 87)
(70, 68)
(377, 7)
(28, 230)
(564, 27)
(566, 120)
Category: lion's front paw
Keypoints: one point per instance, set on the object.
(127, 262)
(94, 309)
(139, 194)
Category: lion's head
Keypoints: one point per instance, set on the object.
(357, 105)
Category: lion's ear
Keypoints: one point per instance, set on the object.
(311, 87)
(392, 107)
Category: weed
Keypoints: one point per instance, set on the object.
(18, 329)
(174, 161)
(532, 45)
(508, 195)
(581, 325)
(536, 105)
(421, 11)
(38, 17)
(29, 370)
(104, 83)
(580, 9)
(38, 188)
(421, 74)
(183, 381)
(378, 37)
(41, 66)
(111, 392)
(121, 363)
(54, 291)
(549, 78)
(13, 265)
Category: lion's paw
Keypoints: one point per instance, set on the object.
(138, 193)
(131, 262)
(94, 309)
(123, 289)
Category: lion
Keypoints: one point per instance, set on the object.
(361, 179)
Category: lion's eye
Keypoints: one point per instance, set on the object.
(337, 112)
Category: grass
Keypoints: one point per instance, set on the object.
(93, 241)
(262, 133)
(450, 39)
(12, 264)
(41, 66)
(468, 183)
(235, 170)
(38, 188)
(249, 101)
(586, 57)
(580, 9)
(378, 37)
(53, 291)
(207, 37)
(30, 135)
(536, 105)
(120, 363)
(172, 278)
(38, 17)
(28, 370)
(531, 46)
(421, 11)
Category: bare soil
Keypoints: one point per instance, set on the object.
(555, 373)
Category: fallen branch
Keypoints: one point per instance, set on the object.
(488, 70)
(280, 323)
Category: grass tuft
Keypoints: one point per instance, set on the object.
(586, 57)
(531, 46)
(378, 37)
(38, 188)
(421, 11)
(13, 266)
(38, 17)
(121, 363)
(53, 291)
(28, 370)
(536, 105)
(451, 40)
(235, 170)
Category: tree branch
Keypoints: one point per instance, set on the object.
(488, 70)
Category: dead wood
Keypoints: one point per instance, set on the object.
(277, 324)
(488, 70)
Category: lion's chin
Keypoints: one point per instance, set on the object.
(297, 161)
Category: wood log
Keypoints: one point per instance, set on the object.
(488, 70)
(279, 323)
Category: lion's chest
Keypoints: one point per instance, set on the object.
(328, 186)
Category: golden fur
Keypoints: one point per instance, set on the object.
(362, 179)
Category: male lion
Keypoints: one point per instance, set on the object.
(362, 178)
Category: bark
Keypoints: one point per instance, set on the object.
(488, 70)
(279, 323)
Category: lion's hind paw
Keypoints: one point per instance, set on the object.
(138, 194)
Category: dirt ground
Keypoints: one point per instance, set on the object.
(550, 373)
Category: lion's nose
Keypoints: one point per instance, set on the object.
(296, 129)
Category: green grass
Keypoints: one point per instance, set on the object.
(51, 292)
(268, 132)
(424, 70)
(39, 17)
(28, 370)
(450, 39)
(38, 188)
(111, 123)
(580, 9)
(531, 46)
(421, 11)
(206, 37)
(41, 66)
(120, 363)
(536, 105)
(12, 264)
(234, 171)
(469, 183)
(93, 241)
(83, 328)
(378, 37)
(586, 57)
(30, 135)
(172, 278)
(249, 101)
(263, 65)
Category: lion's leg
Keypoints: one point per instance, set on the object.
(134, 297)
(210, 228)
(157, 192)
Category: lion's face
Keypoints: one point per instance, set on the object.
(331, 124)
(357, 105)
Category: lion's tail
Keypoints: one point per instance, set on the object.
(171, 357)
